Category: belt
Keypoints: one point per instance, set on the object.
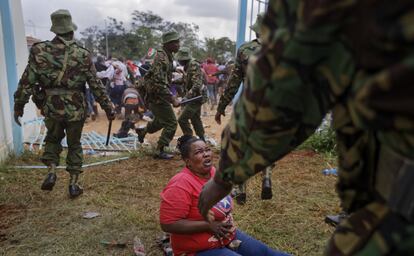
(60, 91)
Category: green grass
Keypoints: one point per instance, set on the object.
(126, 194)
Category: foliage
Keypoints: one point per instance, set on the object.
(144, 30)
(323, 140)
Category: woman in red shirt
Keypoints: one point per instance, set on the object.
(179, 215)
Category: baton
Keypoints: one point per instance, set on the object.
(108, 135)
(191, 99)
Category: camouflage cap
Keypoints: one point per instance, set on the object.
(183, 54)
(256, 26)
(62, 22)
(169, 36)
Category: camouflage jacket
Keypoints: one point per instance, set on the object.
(238, 73)
(193, 80)
(352, 57)
(59, 69)
(158, 78)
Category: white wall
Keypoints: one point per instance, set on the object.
(21, 55)
(21, 60)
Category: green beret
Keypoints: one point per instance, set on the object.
(62, 22)
(169, 36)
(183, 54)
(256, 26)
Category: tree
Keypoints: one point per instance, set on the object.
(220, 49)
(144, 31)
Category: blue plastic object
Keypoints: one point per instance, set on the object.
(332, 171)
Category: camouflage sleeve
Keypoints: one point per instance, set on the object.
(27, 82)
(96, 86)
(291, 84)
(235, 79)
(159, 77)
(195, 77)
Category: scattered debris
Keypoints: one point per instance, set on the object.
(331, 171)
(114, 243)
(90, 215)
(139, 249)
(165, 245)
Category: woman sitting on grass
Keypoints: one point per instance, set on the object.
(179, 215)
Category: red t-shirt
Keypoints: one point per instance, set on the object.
(179, 200)
(210, 69)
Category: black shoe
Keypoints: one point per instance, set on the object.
(120, 134)
(267, 189)
(75, 190)
(334, 220)
(241, 198)
(141, 134)
(164, 155)
(49, 182)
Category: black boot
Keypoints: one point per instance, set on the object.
(163, 155)
(51, 177)
(49, 182)
(334, 220)
(241, 199)
(266, 189)
(141, 134)
(239, 194)
(123, 131)
(75, 190)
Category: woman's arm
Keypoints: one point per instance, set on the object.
(190, 227)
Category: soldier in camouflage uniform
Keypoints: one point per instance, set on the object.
(193, 83)
(158, 95)
(56, 75)
(236, 78)
(356, 59)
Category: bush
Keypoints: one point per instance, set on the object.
(323, 140)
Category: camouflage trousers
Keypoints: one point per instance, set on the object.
(55, 133)
(191, 112)
(164, 118)
(373, 230)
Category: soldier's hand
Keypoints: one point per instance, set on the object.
(212, 193)
(110, 114)
(217, 117)
(17, 114)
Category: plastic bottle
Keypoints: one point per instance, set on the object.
(332, 171)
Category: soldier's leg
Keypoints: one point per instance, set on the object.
(197, 123)
(239, 193)
(169, 124)
(184, 120)
(154, 126)
(74, 158)
(267, 183)
(53, 148)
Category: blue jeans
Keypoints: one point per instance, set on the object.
(249, 246)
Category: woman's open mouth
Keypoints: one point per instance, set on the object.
(207, 163)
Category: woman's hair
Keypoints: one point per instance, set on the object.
(184, 145)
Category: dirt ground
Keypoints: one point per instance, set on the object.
(126, 194)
